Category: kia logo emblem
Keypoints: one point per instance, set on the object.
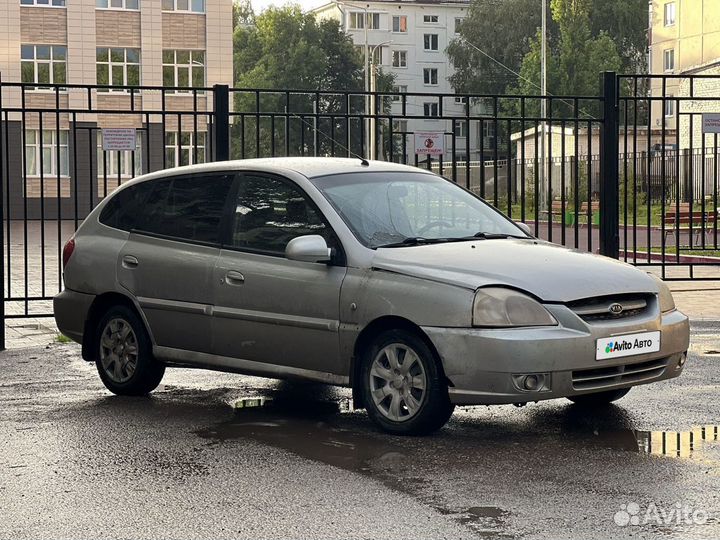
(615, 309)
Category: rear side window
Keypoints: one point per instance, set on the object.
(187, 207)
(123, 208)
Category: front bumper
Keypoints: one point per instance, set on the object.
(480, 363)
(71, 309)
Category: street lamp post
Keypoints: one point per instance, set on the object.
(543, 101)
(373, 97)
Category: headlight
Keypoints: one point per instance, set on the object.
(667, 302)
(500, 307)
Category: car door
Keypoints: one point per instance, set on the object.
(268, 308)
(168, 260)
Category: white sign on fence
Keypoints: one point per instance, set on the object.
(118, 138)
(711, 123)
(429, 143)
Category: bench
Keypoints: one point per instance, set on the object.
(676, 222)
(557, 210)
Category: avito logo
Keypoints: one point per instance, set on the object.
(627, 345)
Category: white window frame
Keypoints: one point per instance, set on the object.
(112, 66)
(51, 62)
(171, 146)
(400, 89)
(50, 153)
(122, 5)
(461, 100)
(669, 15)
(458, 22)
(669, 66)
(44, 3)
(429, 74)
(401, 57)
(399, 19)
(669, 107)
(430, 109)
(183, 6)
(190, 66)
(357, 20)
(428, 44)
(431, 19)
(125, 162)
(461, 129)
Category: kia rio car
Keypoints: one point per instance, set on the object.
(382, 277)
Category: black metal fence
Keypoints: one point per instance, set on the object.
(591, 172)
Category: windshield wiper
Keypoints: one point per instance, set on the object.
(414, 241)
(493, 236)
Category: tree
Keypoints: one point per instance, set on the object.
(625, 21)
(243, 14)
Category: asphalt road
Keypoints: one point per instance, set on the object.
(210, 456)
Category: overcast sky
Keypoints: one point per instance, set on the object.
(259, 5)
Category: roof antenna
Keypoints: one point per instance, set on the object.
(364, 162)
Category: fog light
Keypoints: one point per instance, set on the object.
(683, 359)
(532, 382)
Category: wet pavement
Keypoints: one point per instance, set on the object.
(214, 455)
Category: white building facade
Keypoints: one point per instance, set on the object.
(409, 39)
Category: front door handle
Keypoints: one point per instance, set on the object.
(129, 261)
(234, 277)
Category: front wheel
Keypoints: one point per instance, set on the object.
(599, 398)
(124, 358)
(403, 388)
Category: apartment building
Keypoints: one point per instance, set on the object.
(408, 38)
(684, 39)
(180, 43)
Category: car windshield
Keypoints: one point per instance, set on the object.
(391, 209)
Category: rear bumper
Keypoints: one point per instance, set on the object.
(71, 310)
(485, 366)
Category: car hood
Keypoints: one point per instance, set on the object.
(550, 272)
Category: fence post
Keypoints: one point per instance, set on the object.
(221, 106)
(609, 183)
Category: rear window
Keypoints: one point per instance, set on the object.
(123, 208)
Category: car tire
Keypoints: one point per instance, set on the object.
(599, 398)
(124, 356)
(402, 384)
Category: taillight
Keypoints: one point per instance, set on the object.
(68, 251)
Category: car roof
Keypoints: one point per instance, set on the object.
(310, 167)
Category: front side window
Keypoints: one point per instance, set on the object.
(44, 3)
(399, 23)
(192, 6)
(117, 4)
(117, 66)
(399, 59)
(270, 212)
(183, 69)
(430, 42)
(669, 59)
(46, 147)
(670, 14)
(386, 208)
(184, 148)
(430, 109)
(430, 76)
(187, 207)
(43, 64)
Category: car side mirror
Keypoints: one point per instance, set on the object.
(525, 228)
(308, 248)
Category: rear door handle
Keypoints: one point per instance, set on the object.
(234, 277)
(129, 261)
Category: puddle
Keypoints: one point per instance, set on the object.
(675, 443)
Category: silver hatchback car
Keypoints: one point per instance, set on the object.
(378, 276)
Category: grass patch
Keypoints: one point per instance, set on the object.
(62, 338)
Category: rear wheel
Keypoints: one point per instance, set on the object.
(124, 355)
(403, 388)
(599, 398)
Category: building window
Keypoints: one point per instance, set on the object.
(359, 19)
(669, 106)
(458, 23)
(400, 126)
(487, 130)
(192, 6)
(52, 148)
(177, 155)
(399, 59)
(119, 67)
(117, 4)
(430, 19)
(430, 76)
(376, 56)
(462, 100)
(670, 14)
(461, 129)
(43, 64)
(430, 109)
(112, 163)
(44, 3)
(430, 42)
(399, 23)
(399, 89)
(184, 69)
(669, 60)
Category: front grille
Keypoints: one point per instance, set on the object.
(587, 379)
(599, 309)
